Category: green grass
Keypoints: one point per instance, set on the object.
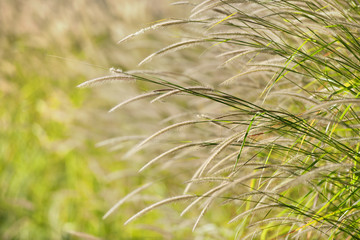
(263, 111)
(248, 127)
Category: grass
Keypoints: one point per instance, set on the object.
(262, 103)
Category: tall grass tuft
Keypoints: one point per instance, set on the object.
(277, 136)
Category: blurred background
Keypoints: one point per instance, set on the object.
(54, 182)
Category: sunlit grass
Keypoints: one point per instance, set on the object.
(276, 135)
(246, 125)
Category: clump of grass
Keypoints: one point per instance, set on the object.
(281, 138)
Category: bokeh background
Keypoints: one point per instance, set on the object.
(55, 183)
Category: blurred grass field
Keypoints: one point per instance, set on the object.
(250, 123)
(54, 182)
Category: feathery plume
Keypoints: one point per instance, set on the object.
(145, 95)
(163, 202)
(124, 199)
(167, 23)
(174, 47)
(161, 131)
(107, 79)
